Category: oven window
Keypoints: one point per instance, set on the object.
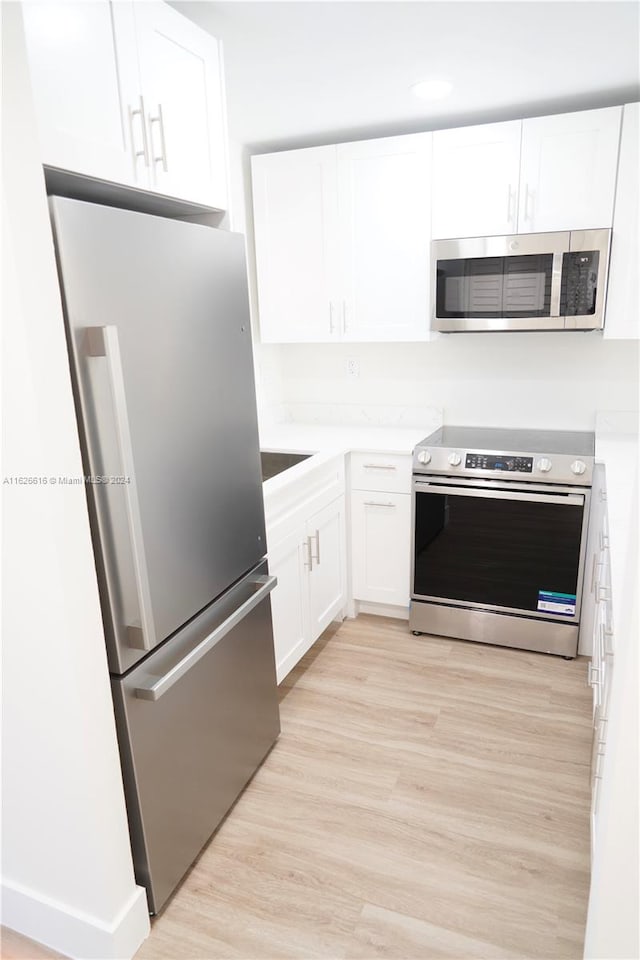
(487, 287)
(505, 553)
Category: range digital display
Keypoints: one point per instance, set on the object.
(489, 461)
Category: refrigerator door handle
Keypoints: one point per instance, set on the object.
(103, 342)
(156, 690)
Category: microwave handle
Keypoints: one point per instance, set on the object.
(556, 283)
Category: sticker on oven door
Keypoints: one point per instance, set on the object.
(563, 604)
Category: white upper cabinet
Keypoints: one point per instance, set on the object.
(342, 241)
(568, 171)
(295, 212)
(384, 193)
(526, 176)
(622, 316)
(84, 78)
(130, 93)
(476, 171)
(182, 82)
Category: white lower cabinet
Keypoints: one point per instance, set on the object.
(597, 634)
(381, 528)
(326, 539)
(306, 543)
(381, 537)
(289, 606)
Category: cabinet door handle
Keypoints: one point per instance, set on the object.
(604, 541)
(331, 324)
(607, 635)
(145, 143)
(378, 503)
(510, 195)
(309, 561)
(603, 495)
(594, 567)
(379, 466)
(527, 196)
(602, 594)
(592, 680)
(316, 537)
(160, 121)
(344, 316)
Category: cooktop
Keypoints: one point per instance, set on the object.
(551, 456)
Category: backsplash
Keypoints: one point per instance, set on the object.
(547, 381)
(359, 415)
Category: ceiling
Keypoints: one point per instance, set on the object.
(301, 73)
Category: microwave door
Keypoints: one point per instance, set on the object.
(499, 283)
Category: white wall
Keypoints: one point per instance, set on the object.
(534, 380)
(67, 873)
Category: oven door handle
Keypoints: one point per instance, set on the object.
(568, 498)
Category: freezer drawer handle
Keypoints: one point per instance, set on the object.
(156, 690)
(103, 342)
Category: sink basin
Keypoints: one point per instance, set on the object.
(275, 463)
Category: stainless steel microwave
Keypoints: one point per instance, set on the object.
(534, 281)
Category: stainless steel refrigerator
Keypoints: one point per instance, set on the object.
(157, 318)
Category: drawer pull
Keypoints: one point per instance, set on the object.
(378, 503)
(379, 466)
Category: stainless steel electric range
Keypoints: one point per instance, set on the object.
(499, 536)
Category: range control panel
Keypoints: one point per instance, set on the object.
(489, 461)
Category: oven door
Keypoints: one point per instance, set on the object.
(510, 547)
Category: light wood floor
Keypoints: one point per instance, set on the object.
(426, 799)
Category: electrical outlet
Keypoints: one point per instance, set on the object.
(353, 368)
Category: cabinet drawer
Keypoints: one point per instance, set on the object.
(381, 471)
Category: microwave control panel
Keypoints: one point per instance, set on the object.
(489, 461)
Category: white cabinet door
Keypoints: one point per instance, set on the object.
(475, 180)
(622, 316)
(295, 215)
(289, 602)
(568, 170)
(384, 215)
(593, 563)
(182, 85)
(84, 77)
(327, 580)
(381, 543)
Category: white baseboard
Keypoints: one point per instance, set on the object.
(73, 933)
(381, 610)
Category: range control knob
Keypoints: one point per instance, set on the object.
(544, 465)
(578, 467)
(454, 459)
(424, 456)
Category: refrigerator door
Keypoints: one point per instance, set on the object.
(194, 721)
(158, 324)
